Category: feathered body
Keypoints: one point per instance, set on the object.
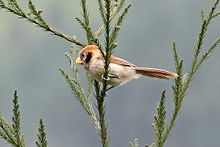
(120, 70)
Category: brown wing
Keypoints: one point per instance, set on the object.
(123, 62)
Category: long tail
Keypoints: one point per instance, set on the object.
(155, 73)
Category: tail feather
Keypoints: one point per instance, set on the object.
(155, 73)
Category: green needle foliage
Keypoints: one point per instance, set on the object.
(159, 120)
(84, 97)
(35, 16)
(134, 143)
(108, 11)
(16, 122)
(11, 132)
(42, 141)
(182, 82)
(112, 14)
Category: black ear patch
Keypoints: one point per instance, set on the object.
(88, 57)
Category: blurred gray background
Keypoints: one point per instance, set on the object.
(30, 58)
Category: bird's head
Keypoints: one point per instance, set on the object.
(87, 54)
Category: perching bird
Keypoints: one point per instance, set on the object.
(120, 70)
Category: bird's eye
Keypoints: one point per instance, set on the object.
(86, 57)
(83, 57)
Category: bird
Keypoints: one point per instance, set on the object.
(120, 70)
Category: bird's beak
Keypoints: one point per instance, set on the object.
(79, 61)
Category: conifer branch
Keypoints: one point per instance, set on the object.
(12, 6)
(16, 122)
(117, 27)
(159, 120)
(196, 61)
(182, 82)
(35, 16)
(215, 15)
(66, 37)
(118, 5)
(175, 55)
(102, 119)
(11, 132)
(102, 11)
(207, 53)
(108, 13)
(202, 14)
(107, 46)
(90, 36)
(134, 143)
(100, 96)
(108, 9)
(82, 96)
(100, 125)
(6, 131)
(2, 4)
(116, 8)
(85, 101)
(85, 23)
(42, 141)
